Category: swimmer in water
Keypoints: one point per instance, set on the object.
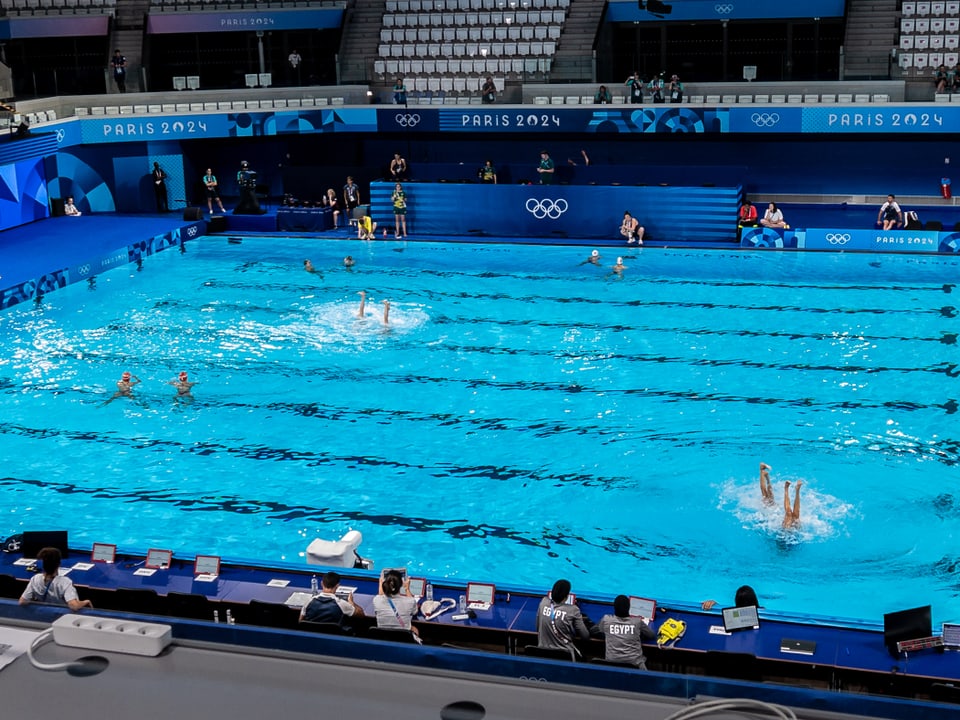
(766, 489)
(348, 261)
(124, 386)
(791, 517)
(386, 312)
(619, 267)
(308, 266)
(363, 303)
(183, 385)
(594, 258)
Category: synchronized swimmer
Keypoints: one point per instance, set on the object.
(363, 304)
(791, 515)
(128, 381)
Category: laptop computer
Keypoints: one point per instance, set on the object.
(480, 596)
(951, 635)
(741, 618)
(642, 607)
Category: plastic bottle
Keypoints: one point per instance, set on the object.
(230, 620)
(314, 587)
(216, 616)
(429, 592)
(462, 604)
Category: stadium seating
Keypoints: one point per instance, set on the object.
(929, 37)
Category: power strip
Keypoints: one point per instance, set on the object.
(124, 636)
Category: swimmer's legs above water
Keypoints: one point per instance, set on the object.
(363, 302)
(766, 489)
(791, 516)
(386, 312)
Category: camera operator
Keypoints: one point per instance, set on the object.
(247, 182)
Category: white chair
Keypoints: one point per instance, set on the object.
(745, 99)
(811, 98)
(936, 42)
(620, 99)
(541, 100)
(828, 98)
(936, 25)
(778, 99)
(845, 98)
(554, 100)
(923, 8)
(712, 99)
(906, 26)
(906, 42)
(922, 42)
(937, 9)
(920, 60)
(906, 61)
(922, 26)
(950, 59)
(952, 8)
(861, 98)
(941, 98)
(880, 98)
(951, 42)
(935, 59)
(909, 9)
(794, 98)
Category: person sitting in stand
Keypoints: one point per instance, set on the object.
(393, 604)
(49, 586)
(890, 215)
(773, 218)
(487, 173)
(559, 622)
(940, 78)
(602, 96)
(746, 216)
(69, 208)
(624, 635)
(333, 203)
(955, 78)
(399, 92)
(327, 607)
(489, 90)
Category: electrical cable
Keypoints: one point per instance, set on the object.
(81, 667)
(711, 707)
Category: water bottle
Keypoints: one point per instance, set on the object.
(229, 618)
(462, 604)
(314, 588)
(429, 591)
(216, 616)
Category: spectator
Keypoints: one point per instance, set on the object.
(631, 229)
(489, 90)
(773, 218)
(399, 199)
(745, 597)
(69, 208)
(399, 92)
(351, 196)
(213, 191)
(332, 203)
(940, 78)
(890, 215)
(327, 607)
(487, 173)
(746, 217)
(160, 188)
(394, 606)
(955, 78)
(635, 83)
(398, 168)
(623, 635)
(655, 87)
(293, 62)
(48, 586)
(545, 168)
(602, 97)
(119, 63)
(675, 89)
(559, 622)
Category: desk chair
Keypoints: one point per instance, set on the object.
(933, 225)
(390, 635)
(325, 628)
(945, 692)
(733, 666)
(270, 614)
(614, 663)
(189, 605)
(549, 653)
(11, 587)
(142, 601)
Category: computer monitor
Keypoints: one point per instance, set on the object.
(951, 635)
(158, 559)
(480, 592)
(103, 552)
(36, 540)
(741, 618)
(906, 625)
(206, 565)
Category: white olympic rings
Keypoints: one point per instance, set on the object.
(547, 208)
(407, 119)
(763, 119)
(837, 238)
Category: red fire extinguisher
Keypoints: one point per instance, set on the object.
(945, 188)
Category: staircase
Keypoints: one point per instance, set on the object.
(872, 27)
(358, 47)
(574, 59)
(127, 37)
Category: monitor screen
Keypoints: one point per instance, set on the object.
(206, 565)
(906, 625)
(36, 540)
(103, 552)
(951, 634)
(641, 607)
(416, 586)
(480, 592)
(158, 558)
(741, 618)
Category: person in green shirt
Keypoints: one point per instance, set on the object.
(488, 173)
(545, 168)
(399, 210)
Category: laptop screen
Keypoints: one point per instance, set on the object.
(641, 607)
(741, 618)
(951, 634)
(158, 558)
(480, 592)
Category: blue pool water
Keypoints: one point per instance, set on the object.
(524, 417)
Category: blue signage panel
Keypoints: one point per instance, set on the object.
(54, 26)
(629, 10)
(265, 19)
(761, 119)
(871, 240)
(878, 119)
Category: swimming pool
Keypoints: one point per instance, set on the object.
(523, 417)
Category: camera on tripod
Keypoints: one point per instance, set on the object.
(248, 178)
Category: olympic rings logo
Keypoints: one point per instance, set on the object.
(61, 134)
(547, 208)
(723, 8)
(192, 230)
(838, 238)
(407, 119)
(83, 269)
(765, 119)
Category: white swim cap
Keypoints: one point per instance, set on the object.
(619, 261)
(595, 253)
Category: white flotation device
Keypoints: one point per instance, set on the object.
(338, 553)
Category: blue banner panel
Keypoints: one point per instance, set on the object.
(776, 119)
(871, 240)
(54, 26)
(873, 119)
(950, 242)
(23, 193)
(266, 19)
(629, 10)
(560, 211)
(760, 237)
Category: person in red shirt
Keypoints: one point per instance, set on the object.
(746, 217)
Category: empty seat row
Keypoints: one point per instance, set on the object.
(57, 4)
(573, 100)
(485, 66)
(951, 7)
(466, 50)
(923, 61)
(929, 42)
(483, 19)
(922, 26)
(443, 99)
(208, 106)
(448, 85)
(405, 6)
(462, 34)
